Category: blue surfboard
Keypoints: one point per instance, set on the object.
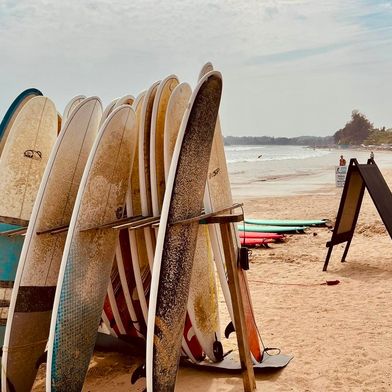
(10, 248)
(13, 109)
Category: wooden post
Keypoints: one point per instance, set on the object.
(231, 256)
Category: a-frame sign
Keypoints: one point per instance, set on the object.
(359, 177)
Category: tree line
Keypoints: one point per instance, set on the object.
(359, 130)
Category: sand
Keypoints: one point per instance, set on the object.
(340, 336)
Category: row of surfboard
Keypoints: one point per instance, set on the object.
(108, 203)
(259, 232)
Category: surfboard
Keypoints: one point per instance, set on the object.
(128, 283)
(271, 229)
(138, 247)
(203, 298)
(108, 318)
(35, 284)
(24, 158)
(108, 109)
(176, 244)
(123, 319)
(13, 111)
(144, 166)
(218, 196)
(59, 122)
(171, 113)
(125, 100)
(10, 248)
(158, 116)
(255, 241)
(252, 234)
(287, 222)
(33, 129)
(71, 105)
(86, 263)
(176, 107)
(121, 304)
(231, 363)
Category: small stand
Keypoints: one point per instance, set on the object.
(359, 177)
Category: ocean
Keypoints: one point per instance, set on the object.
(257, 171)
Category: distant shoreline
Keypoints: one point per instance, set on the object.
(381, 147)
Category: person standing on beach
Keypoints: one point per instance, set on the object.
(371, 155)
(342, 161)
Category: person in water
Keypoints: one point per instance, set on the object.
(342, 161)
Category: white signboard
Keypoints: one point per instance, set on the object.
(340, 175)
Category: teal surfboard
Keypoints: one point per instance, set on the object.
(287, 222)
(271, 229)
(10, 248)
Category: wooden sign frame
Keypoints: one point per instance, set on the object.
(359, 177)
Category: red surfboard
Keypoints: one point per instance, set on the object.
(251, 234)
(256, 241)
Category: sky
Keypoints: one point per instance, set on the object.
(290, 67)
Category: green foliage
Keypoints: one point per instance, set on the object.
(379, 136)
(356, 131)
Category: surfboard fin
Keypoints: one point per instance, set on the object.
(229, 329)
(244, 258)
(217, 348)
(140, 372)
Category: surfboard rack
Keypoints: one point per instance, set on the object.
(138, 224)
(234, 268)
(13, 232)
(132, 222)
(14, 221)
(214, 217)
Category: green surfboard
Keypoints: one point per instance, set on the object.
(271, 229)
(287, 222)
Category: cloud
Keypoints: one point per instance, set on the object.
(111, 48)
(297, 54)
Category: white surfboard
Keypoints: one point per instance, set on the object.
(24, 158)
(144, 166)
(35, 283)
(157, 171)
(176, 107)
(71, 105)
(108, 109)
(86, 263)
(125, 100)
(140, 262)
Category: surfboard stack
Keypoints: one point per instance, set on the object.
(114, 239)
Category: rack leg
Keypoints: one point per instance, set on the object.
(231, 252)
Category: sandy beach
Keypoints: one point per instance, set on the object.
(339, 335)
